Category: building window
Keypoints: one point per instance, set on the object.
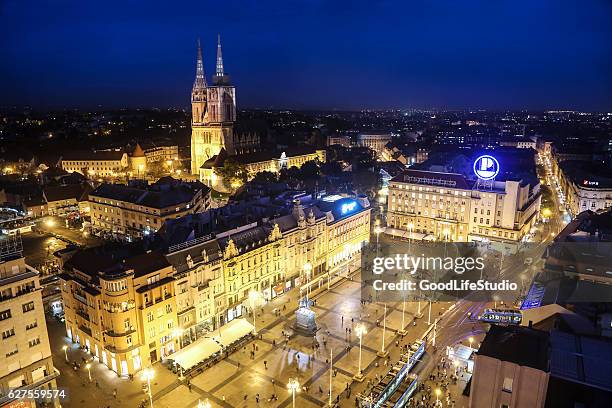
(6, 314)
(34, 342)
(507, 384)
(28, 307)
(8, 333)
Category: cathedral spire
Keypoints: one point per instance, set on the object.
(219, 57)
(200, 80)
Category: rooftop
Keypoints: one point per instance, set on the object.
(520, 345)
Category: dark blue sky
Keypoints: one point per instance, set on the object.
(311, 54)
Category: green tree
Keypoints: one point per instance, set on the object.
(233, 174)
(266, 177)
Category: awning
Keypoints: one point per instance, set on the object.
(234, 330)
(403, 233)
(197, 351)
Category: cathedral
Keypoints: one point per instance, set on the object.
(213, 115)
(215, 136)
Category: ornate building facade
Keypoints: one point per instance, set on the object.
(213, 114)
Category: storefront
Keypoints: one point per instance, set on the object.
(234, 313)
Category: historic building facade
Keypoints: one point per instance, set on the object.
(132, 311)
(133, 212)
(25, 361)
(214, 136)
(213, 114)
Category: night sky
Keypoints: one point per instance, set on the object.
(491, 54)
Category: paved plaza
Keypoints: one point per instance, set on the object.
(242, 381)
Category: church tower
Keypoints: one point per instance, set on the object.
(213, 113)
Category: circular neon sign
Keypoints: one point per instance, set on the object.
(486, 167)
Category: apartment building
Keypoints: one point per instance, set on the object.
(586, 185)
(131, 310)
(66, 199)
(134, 211)
(122, 310)
(96, 164)
(311, 244)
(375, 141)
(25, 360)
(157, 153)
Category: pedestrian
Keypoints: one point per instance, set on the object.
(266, 364)
(115, 393)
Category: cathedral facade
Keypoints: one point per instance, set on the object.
(213, 115)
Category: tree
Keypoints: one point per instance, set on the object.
(266, 177)
(233, 174)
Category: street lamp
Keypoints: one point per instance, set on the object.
(331, 370)
(471, 340)
(148, 374)
(204, 404)
(438, 392)
(377, 231)
(360, 330)
(307, 270)
(253, 296)
(88, 366)
(65, 348)
(410, 229)
(402, 330)
(294, 386)
(382, 352)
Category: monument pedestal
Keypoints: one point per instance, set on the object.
(305, 323)
(358, 377)
(382, 354)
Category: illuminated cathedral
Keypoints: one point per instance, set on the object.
(213, 115)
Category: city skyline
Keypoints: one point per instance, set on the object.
(443, 56)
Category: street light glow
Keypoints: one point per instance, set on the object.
(360, 330)
(204, 404)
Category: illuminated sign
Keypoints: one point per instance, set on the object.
(486, 167)
(348, 207)
(590, 183)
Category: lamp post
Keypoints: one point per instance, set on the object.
(382, 352)
(331, 370)
(148, 374)
(471, 340)
(429, 315)
(433, 342)
(377, 231)
(360, 330)
(88, 366)
(402, 330)
(307, 270)
(65, 348)
(438, 397)
(294, 386)
(410, 229)
(253, 295)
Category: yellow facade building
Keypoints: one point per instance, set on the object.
(131, 313)
(25, 360)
